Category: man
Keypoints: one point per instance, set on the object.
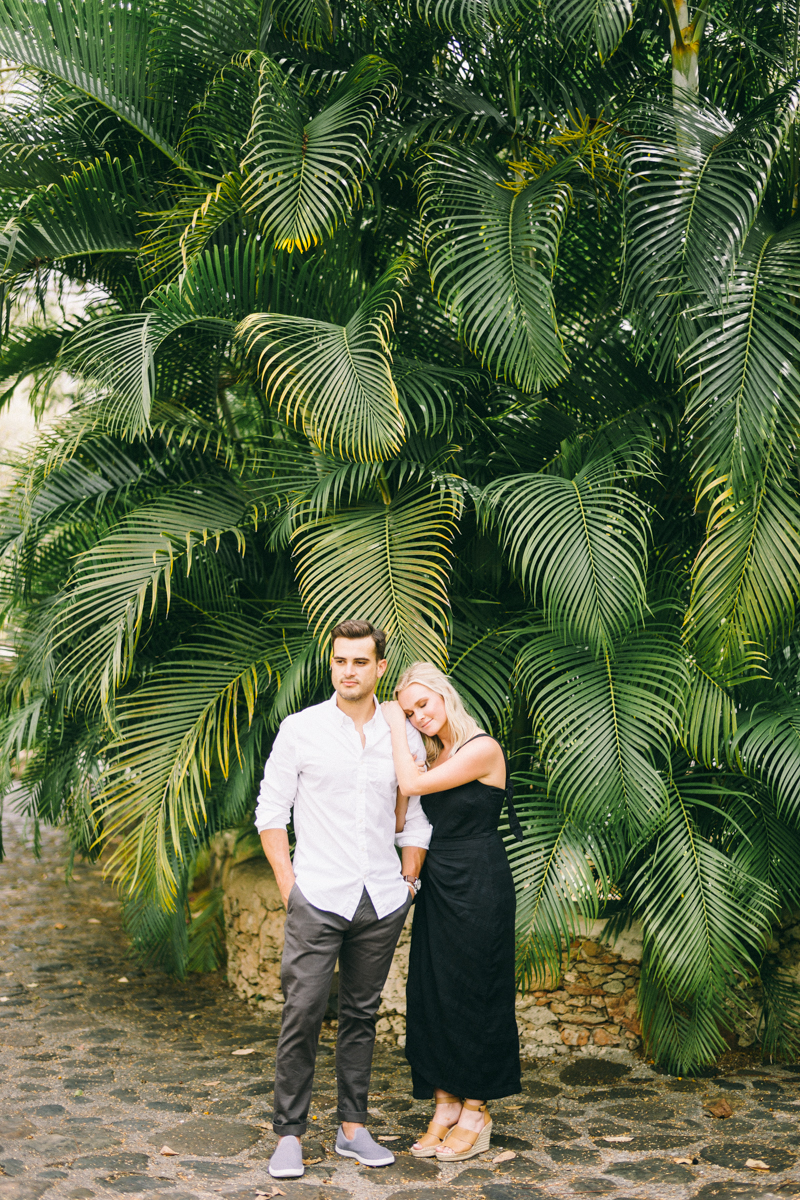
(346, 896)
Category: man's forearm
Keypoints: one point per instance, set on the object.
(412, 858)
(276, 848)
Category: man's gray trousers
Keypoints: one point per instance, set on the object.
(314, 939)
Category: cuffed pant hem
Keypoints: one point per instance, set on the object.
(290, 1130)
(357, 1118)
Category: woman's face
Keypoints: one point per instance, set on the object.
(424, 708)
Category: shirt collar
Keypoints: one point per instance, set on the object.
(343, 717)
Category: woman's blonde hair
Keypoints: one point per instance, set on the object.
(462, 725)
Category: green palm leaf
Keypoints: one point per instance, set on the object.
(703, 918)
(91, 211)
(746, 580)
(473, 15)
(604, 22)
(695, 184)
(171, 739)
(119, 354)
(768, 847)
(745, 398)
(709, 720)
(305, 176)
(308, 22)
(604, 722)
(97, 622)
(491, 244)
(101, 48)
(560, 871)
(336, 378)
(386, 563)
(481, 666)
(768, 745)
(579, 545)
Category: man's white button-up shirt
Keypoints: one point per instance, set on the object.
(344, 798)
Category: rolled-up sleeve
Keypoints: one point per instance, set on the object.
(417, 829)
(279, 785)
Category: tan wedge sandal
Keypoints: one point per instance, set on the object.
(435, 1134)
(466, 1143)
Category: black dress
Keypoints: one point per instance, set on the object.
(461, 1028)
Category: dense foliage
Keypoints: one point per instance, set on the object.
(479, 320)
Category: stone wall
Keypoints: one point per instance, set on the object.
(590, 1008)
(591, 1005)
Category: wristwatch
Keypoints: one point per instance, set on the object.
(413, 882)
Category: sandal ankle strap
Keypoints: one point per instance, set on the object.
(475, 1105)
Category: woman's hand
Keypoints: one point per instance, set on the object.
(393, 714)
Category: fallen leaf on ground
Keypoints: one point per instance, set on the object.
(689, 1162)
(123, 979)
(168, 1152)
(618, 1137)
(240, 1052)
(93, 921)
(756, 1164)
(506, 1156)
(720, 1108)
(274, 1192)
(386, 1137)
(59, 927)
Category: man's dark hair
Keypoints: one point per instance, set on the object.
(361, 629)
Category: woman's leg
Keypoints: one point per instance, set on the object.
(468, 1118)
(447, 1112)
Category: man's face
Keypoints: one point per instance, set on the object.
(355, 667)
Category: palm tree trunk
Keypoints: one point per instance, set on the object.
(684, 37)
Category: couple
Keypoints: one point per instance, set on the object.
(355, 772)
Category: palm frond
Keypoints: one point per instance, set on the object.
(336, 378)
(91, 211)
(579, 546)
(481, 665)
(171, 740)
(472, 15)
(96, 624)
(695, 185)
(562, 872)
(389, 564)
(491, 242)
(100, 48)
(603, 22)
(745, 400)
(703, 918)
(605, 721)
(768, 744)
(303, 177)
(709, 719)
(309, 22)
(746, 579)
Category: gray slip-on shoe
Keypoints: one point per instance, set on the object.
(287, 1159)
(364, 1148)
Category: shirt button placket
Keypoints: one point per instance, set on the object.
(361, 815)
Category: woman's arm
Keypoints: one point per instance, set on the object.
(400, 810)
(480, 759)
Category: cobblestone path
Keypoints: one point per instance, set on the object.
(102, 1065)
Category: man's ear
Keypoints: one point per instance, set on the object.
(382, 665)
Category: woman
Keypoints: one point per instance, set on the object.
(461, 1029)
